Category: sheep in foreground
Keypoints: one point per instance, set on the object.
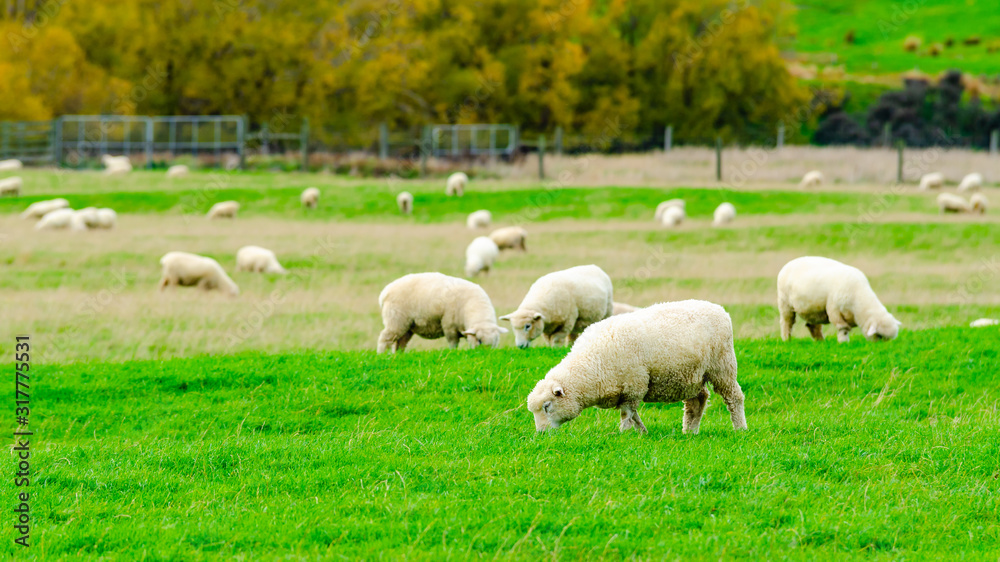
(932, 181)
(258, 260)
(812, 179)
(11, 186)
(561, 305)
(177, 171)
(662, 208)
(310, 198)
(456, 184)
(106, 218)
(224, 210)
(984, 322)
(56, 220)
(433, 305)
(971, 182)
(724, 214)
(510, 238)
(39, 209)
(405, 202)
(673, 216)
(664, 353)
(480, 255)
(950, 203)
(978, 203)
(85, 219)
(10, 165)
(479, 219)
(191, 270)
(825, 291)
(116, 165)
(621, 308)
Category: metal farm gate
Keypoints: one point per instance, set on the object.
(28, 141)
(473, 140)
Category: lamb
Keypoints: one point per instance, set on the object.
(932, 181)
(662, 207)
(456, 184)
(561, 305)
(984, 322)
(39, 209)
(825, 291)
(11, 186)
(84, 219)
(479, 219)
(191, 270)
(949, 203)
(106, 218)
(724, 214)
(621, 308)
(433, 305)
(224, 210)
(258, 260)
(664, 353)
(812, 179)
(310, 198)
(10, 165)
(116, 165)
(177, 170)
(480, 255)
(673, 216)
(971, 182)
(405, 202)
(56, 220)
(978, 203)
(510, 238)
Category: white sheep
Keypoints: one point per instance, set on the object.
(479, 219)
(456, 184)
(432, 305)
(621, 308)
(11, 186)
(662, 207)
(932, 181)
(224, 210)
(665, 353)
(950, 203)
(39, 209)
(812, 179)
(85, 219)
(310, 198)
(984, 322)
(673, 216)
(258, 260)
(10, 165)
(480, 255)
(510, 238)
(106, 218)
(560, 305)
(405, 202)
(191, 270)
(116, 165)
(724, 214)
(177, 171)
(825, 291)
(979, 203)
(971, 182)
(56, 220)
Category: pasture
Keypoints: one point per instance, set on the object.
(184, 425)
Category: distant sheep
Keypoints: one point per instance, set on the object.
(85, 219)
(11, 186)
(480, 255)
(405, 202)
(932, 181)
(950, 203)
(177, 171)
(224, 210)
(106, 218)
(979, 203)
(724, 214)
(10, 165)
(984, 322)
(456, 184)
(310, 198)
(258, 260)
(621, 308)
(662, 207)
(510, 238)
(116, 165)
(479, 219)
(673, 216)
(57, 219)
(971, 182)
(39, 209)
(191, 270)
(812, 179)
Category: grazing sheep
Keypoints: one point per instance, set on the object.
(825, 291)
(621, 308)
(224, 210)
(11, 186)
(106, 218)
(10, 165)
(479, 219)
(562, 304)
(116, 165)
(310, 198)
(979, 203)
(971, 182)
(510, 238)
(85, 219)
(178, 170)
(456, 184)
(480, 255)
(39, 209)
(673, 216)
(191, 270)
(56, 220)
(812, 179)
(405, 202)
(932, 181)
(724, 214)
(984, 322)
(950, 203)
(662, 207)
(664, 353)
(432, 305)
(258, 260)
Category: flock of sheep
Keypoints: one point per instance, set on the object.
(947, 202)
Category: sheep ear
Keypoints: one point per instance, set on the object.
(557, 391)
(502, 330)
(871, 331)
(538, 316)
(506, 317)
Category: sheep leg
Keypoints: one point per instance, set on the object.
(387, 341)
(787, 321)
(164, 283)
(693, 410)
(630, 418)
(402, 341)
(816, 330)
(723, 379)
(843, 334)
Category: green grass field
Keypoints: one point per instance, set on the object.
(182, 425)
